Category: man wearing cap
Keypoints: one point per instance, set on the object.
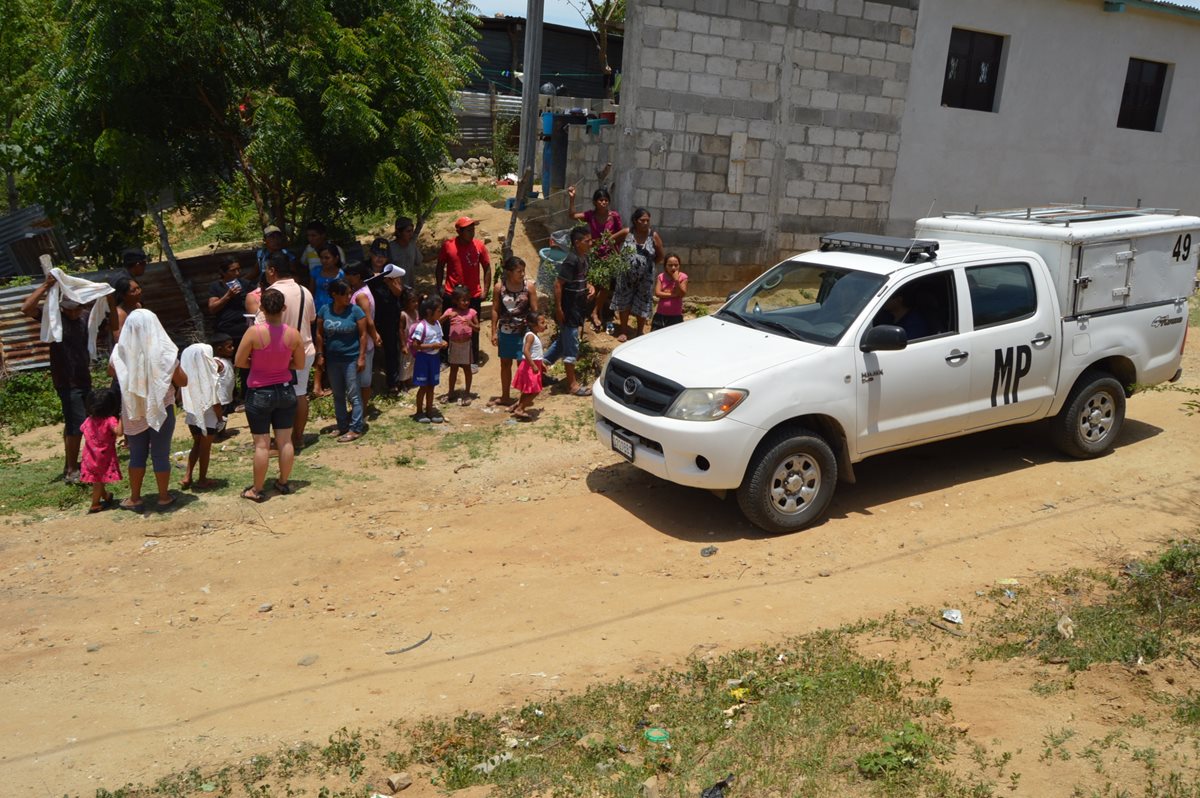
(459, 262)
(386, 286)
(274, 241)
(299, 313)
(70, 370)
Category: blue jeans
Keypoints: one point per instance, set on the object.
(565, 346)
(155, 443)
(343, 381)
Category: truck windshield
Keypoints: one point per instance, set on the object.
(804, 301)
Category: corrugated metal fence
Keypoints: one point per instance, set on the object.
(21, 348)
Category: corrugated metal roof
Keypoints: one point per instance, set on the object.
(1190, 8)
(24, 235)
(21, 348)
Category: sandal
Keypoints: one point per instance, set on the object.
(582, 390)
(349, 437)
(170, 503)
(283, 488)
(140, 507)
(250, 493)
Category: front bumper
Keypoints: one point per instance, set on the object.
(668, 448)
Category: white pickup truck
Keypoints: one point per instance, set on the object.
(872, 344)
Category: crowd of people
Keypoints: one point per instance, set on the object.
(315, 317)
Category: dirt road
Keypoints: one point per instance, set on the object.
(136, 647)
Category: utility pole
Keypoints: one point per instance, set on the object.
(531, 122)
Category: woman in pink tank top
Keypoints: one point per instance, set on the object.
(271, 351)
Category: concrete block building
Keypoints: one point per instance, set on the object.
(748, 127)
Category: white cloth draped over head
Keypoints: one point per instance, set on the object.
(200, 393)
(144, 359)
(76, 289)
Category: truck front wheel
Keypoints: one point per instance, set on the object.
(790, 482)
(1090, 421)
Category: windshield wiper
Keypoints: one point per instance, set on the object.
(757, 322)
(780, 326)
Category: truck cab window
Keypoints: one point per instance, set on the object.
(1001, 293)
(924, 307)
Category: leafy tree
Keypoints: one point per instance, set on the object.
(320, 106)
(25, 33)
(603, 16)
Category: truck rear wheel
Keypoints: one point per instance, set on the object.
(790, 482)
(1090, 422)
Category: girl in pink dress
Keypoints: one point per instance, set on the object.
(531, 368)
(100, 430)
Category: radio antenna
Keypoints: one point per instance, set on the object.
(913, 242)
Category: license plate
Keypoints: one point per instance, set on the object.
(622, 445)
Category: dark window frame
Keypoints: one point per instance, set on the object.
(971, 79)
(1144, 97)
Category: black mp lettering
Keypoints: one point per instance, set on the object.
(1005, 373)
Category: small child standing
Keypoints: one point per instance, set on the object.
(222, 345)
(426, 338)
(200, 407)
(100, 430)
(409, 315)
(670, 288)
(464, 322)
(530, 370)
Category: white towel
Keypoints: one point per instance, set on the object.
(144, 359)
(79, 290)
(200, 393)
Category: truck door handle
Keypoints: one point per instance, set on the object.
(1039, 339)
(956, 357)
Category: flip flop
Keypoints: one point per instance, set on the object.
(582, 390)
(283, 488)
(99, 509)
(254, 495)
(133, 508)
(349, 437)
(165, 505)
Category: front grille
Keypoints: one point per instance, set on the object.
(651, 393)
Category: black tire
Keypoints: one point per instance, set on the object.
(1090, 422)
(796, 456)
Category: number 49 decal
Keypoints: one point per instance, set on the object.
(1183, 247)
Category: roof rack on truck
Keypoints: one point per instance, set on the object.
(905, 250)
(1065, 214)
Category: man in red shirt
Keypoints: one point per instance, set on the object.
(460, 261)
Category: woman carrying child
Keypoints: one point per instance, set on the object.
(464, 323)
(513, 299)
(342, 350)
(426, 339)
(100, 430)
(360, 294)
(531, 368)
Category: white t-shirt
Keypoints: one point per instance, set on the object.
(424, 333)
(225, 382)
(535, 350)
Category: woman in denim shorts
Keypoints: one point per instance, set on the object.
(272, 351)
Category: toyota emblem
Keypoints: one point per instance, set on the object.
(630, 387)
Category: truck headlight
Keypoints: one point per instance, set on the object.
(705, 404)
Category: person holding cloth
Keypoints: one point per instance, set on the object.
(386, 284)
(571, 294)
(460, 262)
(71, 331)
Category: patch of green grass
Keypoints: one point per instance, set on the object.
(1188, 709)
(456, 197)
(1144, 612)
(478, 442)
(30, 487)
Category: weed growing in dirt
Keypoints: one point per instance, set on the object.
(568, 428)
(1188, 710)
(1144, 611)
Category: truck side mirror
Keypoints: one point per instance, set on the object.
(884, 338)
(732, 294)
